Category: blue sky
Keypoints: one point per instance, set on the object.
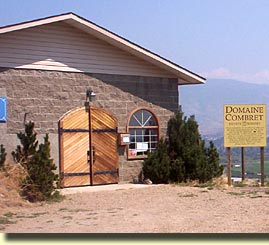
(214, 38)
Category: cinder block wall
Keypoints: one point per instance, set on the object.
(44, 96)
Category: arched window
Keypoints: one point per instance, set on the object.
(143, 128)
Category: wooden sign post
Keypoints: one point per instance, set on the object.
(244, 126)
(262, 166)
(229, 166)
(243, 163)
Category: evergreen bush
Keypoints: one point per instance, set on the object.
(28, 146)
(177, 170)
(3, 155)
(185, 154)
(156, 166)
(40, 181)
(215, 169)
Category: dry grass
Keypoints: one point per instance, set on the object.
(10, 178)
(219, 183)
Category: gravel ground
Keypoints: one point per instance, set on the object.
(155, 209)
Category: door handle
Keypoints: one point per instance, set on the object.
(89, 156)
(93, 154)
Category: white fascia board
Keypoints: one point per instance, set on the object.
(34, 23)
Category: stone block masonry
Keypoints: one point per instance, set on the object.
(44, 96)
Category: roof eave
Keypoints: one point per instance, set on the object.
(182, 81)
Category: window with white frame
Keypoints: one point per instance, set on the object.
(144, 134)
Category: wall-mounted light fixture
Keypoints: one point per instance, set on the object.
(90, 97)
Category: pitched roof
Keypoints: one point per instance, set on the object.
(184, 76)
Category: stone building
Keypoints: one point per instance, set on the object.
(46, 67)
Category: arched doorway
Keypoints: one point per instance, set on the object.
(80, 131)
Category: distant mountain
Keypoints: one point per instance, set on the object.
(206, 101)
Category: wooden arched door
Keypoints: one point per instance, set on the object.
(80, 131)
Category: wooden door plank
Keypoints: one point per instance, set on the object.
(75, 146)
(76, 181)
(105, 144)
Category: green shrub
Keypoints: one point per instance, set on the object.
(40, 181)
(177, 170)
(184, 157)
(3, 155)
(156, 166)
(28, 146)
(214, 169)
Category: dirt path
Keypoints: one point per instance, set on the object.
(161, 209)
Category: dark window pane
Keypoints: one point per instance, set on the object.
(140, 132)
(132, 139)
(149, 120)
(138, 116)
(131, 131)
(153, 131)
(139, 139)
(154, 138)
(134, 122)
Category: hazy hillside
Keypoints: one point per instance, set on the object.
(206, 101)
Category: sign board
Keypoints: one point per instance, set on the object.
(3, 109)
(124, 139)
(141, 146)
(245, 125)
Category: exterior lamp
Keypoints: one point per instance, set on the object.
(90, 97)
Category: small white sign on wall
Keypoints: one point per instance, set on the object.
(126, 139)
(141, 146)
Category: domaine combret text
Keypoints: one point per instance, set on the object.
(244, 113)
